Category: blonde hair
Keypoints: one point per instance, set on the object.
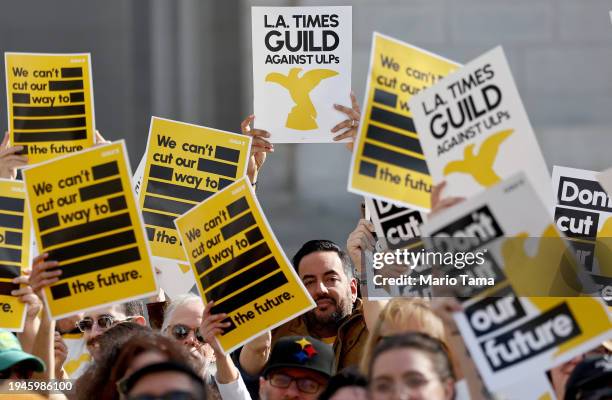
(398, 315)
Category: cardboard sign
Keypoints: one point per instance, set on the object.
(301, 68)
(583, 212)
(396, 227)
(508, 328)
(239, 264)
(388, 161)
(475, 132)
(85, 216)
(184, 165)
(78, 358)
(50, 103)
(14, 251)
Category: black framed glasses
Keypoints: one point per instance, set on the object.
(304, 385)
(103, 321)
(180, 332)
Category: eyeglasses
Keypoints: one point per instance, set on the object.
(103, 321)
(173, 395)
(305, 385)
(180, 332)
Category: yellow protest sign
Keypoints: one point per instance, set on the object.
(239, 264)
(388, 161)
(14, 251)
(50, 103)
(85, 216)
(185, 164)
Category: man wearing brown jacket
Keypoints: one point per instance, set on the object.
(340, 318)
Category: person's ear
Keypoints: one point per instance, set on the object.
(353, 283)
(449, 389)
(262, 383)
(139, 319)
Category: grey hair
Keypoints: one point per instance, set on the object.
(175, 303)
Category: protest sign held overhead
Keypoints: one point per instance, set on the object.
(85, 216)
(396, 227)
(301, 68)
(388, 162)
(529, 309)
(184, 165)
(475, 132)
(50, 103)
(583, 212)
(14, 251)
(239, 264)
(78, 358)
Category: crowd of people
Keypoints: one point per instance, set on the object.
(347, 347)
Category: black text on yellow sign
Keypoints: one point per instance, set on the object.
(239, 264)
(185, 164)
(14, 250)
(50, 103)
(85, 216)
(388, 162)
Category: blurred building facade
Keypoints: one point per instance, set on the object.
(190, 60)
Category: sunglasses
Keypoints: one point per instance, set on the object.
(180, 332)
(103, 322)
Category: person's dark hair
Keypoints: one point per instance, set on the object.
(102, 380)
(111, 342)
(132, 308)
(153, 342)
(126, 385)
(313, 246)
(347, 377)
(435, 349)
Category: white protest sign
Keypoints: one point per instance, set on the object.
(583, 212)
(509, 334)
(301, 68)
(475, 132)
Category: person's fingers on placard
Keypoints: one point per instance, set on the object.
(446, 203)
(260, 144)
(368, 228)
(352, 114)
(10, 161)
(212, 325)
(41, 276)
(99, 139)
(359, 241)
(259, 133)
(346, 124)
(355, 104)
(9, 150)
(436, 193)
(245, 125)
(26, 295)
(60, 350)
